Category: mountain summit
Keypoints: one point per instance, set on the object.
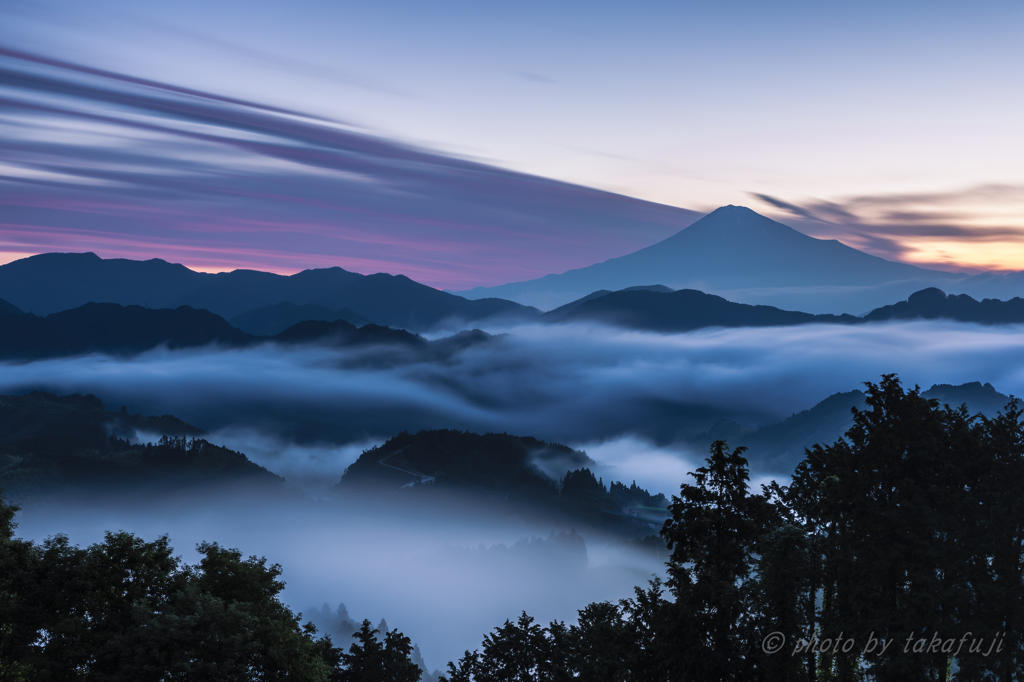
(734, 252)
(53, 282)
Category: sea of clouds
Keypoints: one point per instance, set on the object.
(627, 398)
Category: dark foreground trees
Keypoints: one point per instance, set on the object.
(125, 609)
(895, 555)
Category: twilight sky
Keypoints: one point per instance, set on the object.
(402, 137)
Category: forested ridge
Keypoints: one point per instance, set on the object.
(894, 554)
(502, 473)
(63, 448)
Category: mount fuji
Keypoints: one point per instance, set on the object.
(743, 256)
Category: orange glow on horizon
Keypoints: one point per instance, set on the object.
(987, 256)
(11, 256)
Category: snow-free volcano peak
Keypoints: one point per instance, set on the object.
(744, 256)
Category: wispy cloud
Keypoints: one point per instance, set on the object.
(573, 384)
(219, 181)
(978, 227)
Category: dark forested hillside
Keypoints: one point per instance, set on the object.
(127, 609)
(661, 309)
(561, 311)
(935, 304)
(497, 471)
(779, 447)
(685, 310)
(495, 463)
(273, 319)
(112, 328)
(342, 333)
(51, 282)
(62, 447)
(9, 308)
(131, 329)
(126, 330)
(894, 555)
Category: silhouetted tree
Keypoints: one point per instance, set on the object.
(371, 660)
(712, 534)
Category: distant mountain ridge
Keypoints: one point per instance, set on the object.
(53, 282)
(935, 304)
(561, 311)
(273, 319)
(685, 310)
(745, 257)
(663, 310)
(780, 447)
(127, 330)
(9, 309)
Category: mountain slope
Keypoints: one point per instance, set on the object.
(934, 304)
(561, 311)
(115, 329)
(397, 301)
(663, 310)
(496, 471)
(54, 282)
(63, 447)
(8, 309)
(340, 332)
(686, 310)
(112, 328)
(274, 319)
(127, 330)
(780, 447)
(51, 282)
(732, 249)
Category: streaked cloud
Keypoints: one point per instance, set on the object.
(96, 160)
(975, 228)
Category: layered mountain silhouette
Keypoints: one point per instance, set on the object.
(60, 281)
(126, 330)
(561, 311)
(780, 447)
(8, 309)
(342, 333)
(935, 304)
(741, 255)
(115, 329)
(683, 311)
(273, 319)
(661, 309)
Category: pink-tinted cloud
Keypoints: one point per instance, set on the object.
(98, 161)
(977, 228)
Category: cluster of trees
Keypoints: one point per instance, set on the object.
(57, 448)
(894, 555)
(582, 487)
(499, 472)
(128, 610)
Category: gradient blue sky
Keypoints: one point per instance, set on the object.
(894, 127)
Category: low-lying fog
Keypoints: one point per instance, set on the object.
(625, 397)
(444, 578)
(572, 384)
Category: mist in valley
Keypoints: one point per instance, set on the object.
(447, 574)
(573, 384)
(443, 576)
